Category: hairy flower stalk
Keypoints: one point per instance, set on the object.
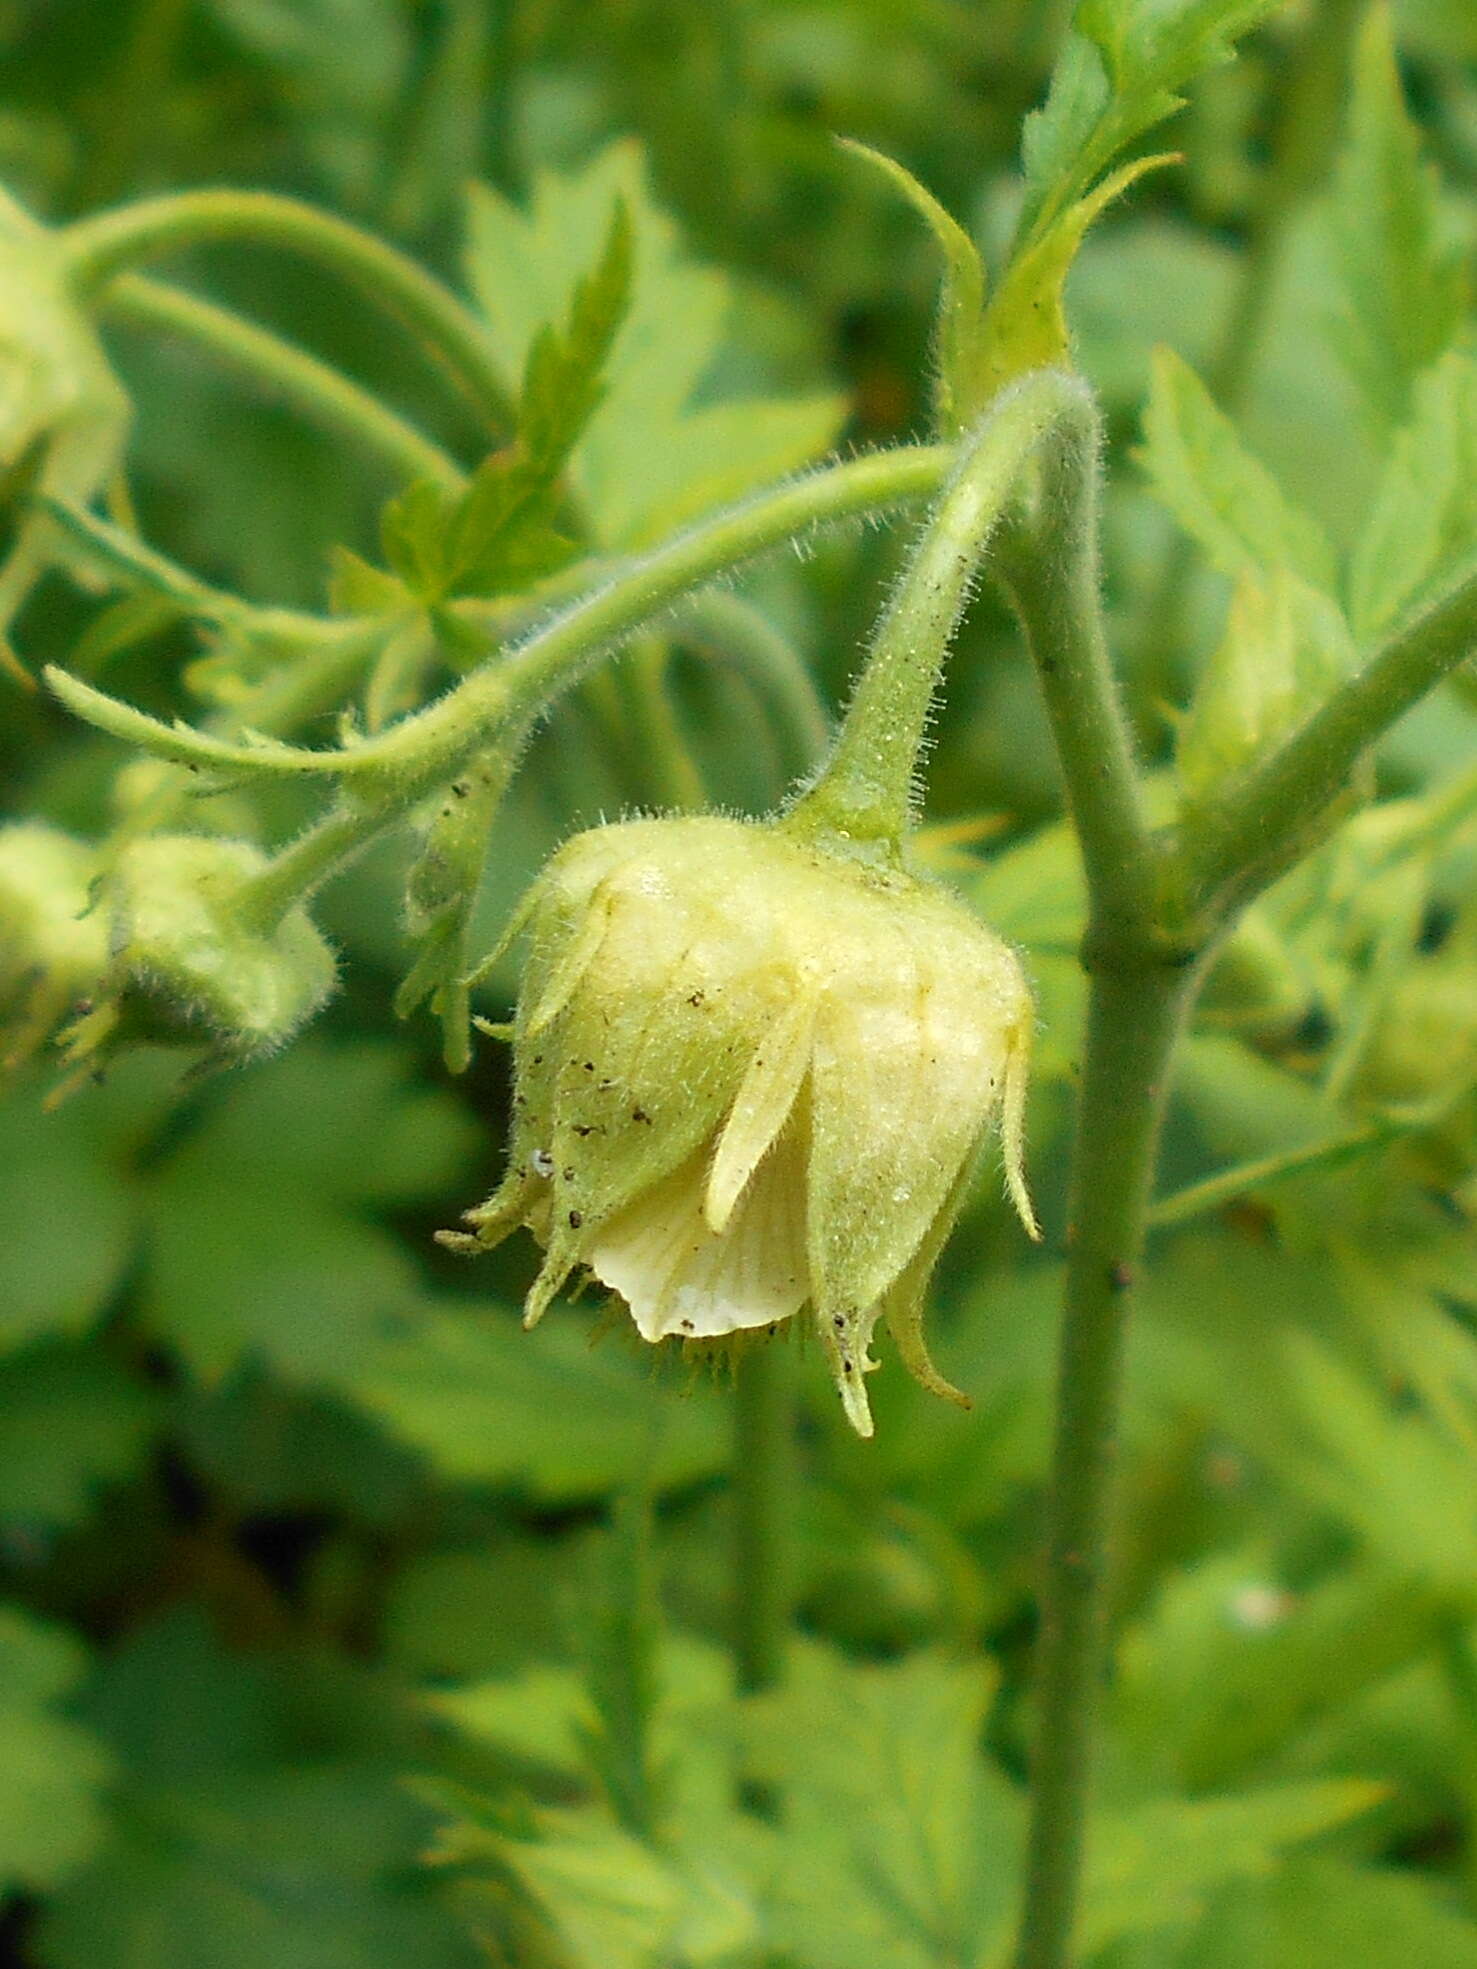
(753, 1075)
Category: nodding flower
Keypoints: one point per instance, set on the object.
(752, 1076)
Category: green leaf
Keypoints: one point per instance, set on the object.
(1229, 1665)
(232, 1274)
(1401, 278)
(651, 457)
(303, 1869)
(1422, 525)
(74, 1420)
(491, 1404)
(263, 1817)
(67, 1220)
(1155, 1866)
(1285, 648)
(961, 302)
(1325, 1911)
(1119, 73)
(900, 1841)
(53, 1772)
(1222, 496)
(563, 372)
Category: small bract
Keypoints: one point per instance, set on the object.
(751, 1075)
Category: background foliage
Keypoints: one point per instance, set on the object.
(339, 1621)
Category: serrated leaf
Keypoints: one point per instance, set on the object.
(231, 1274)
(413, 527)
(53, 1772)
(1402, 279)
(1285, 648)
(563, 373)
(356, 587)
(1119, 73)
(961, 297)
(1156, 1866)
(650, 457)
(1222, 495)
(1422, 525)
(263, 1816)
(1230, 1664)
(900, 1839)
(491, 1404)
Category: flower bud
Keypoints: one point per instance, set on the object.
(752, 1075)
(191, 962)
(63, 413)
(53, 942)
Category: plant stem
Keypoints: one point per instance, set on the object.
(305, 864)
(1050, 566)
(1133, 1019)
(340, 406)
(1236, 845)
(555, 656)
(421, 751)
(867, 790)
(100, 248)
(667, 761)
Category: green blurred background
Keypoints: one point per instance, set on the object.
(310, 1562)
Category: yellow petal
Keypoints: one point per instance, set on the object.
(680, 1277)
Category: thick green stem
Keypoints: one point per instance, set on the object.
(329, 399)
(101, 248)
(1133, 1019)
(1236, 845)
(1050, 563)
(867, 791)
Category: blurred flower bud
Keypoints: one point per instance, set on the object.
(189, 960)
(753, 1075)
(63, 413)
(53, 942)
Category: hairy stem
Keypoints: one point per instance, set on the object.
(100, 248)
(555, 656)
(332, 401)
(866, 792)
(1133, 1019)
(1050, 564)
